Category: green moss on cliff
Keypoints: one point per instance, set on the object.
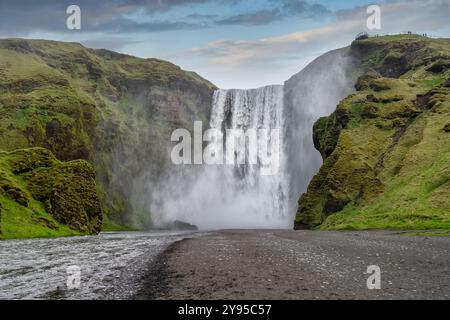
(113, 110)
(386, 152)
(41, 196)
(33, 222)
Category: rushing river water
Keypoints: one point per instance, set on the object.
(111, 264)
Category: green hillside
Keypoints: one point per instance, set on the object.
(111, 110)
(386, 148)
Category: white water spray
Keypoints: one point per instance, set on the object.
(239, 196)
(224, 196)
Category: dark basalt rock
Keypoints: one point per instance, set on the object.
(395, 65)
(447, 127)
(439, 66)
(447, 83)
(335, 201)
(301, 226)
(180, 226)
(364, 81)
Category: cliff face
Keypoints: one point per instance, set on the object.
(112, 110)
(386, 148)
(42, 196)
(312, 93)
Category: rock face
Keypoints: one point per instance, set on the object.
(115, 111)
(39, 191)
(308, 95)
(386, 149)
(180, 225)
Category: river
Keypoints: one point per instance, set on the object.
(110, 264)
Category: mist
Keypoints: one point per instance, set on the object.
(224, 196)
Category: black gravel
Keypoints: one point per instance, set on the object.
(278, 264)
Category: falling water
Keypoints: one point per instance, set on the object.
(260, 108)
(224, 196)
(231, 196)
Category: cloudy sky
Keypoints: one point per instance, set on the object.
(233, 43)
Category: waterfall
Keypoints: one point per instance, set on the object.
(260, 108)
(239, 196)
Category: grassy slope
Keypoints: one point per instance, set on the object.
(93, 105)
(32, 222)
(44, 80)
(22, 215)
(389, 165)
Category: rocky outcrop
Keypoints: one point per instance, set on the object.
(312, 93)
(180, 226)
(113, 110)
(40, 191)
(447, 127)
(367, 80)
(385, 149)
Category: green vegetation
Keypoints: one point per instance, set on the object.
(109, 226)
(386, 148)
(106, 108)
(32, 222)
(66, 109)
(41, 196)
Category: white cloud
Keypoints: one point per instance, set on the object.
(254, 60)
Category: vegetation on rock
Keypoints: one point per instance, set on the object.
(66, 109)
(386, 148)
(112, 110)
(41, 196)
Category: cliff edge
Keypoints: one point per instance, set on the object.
(386, 148)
